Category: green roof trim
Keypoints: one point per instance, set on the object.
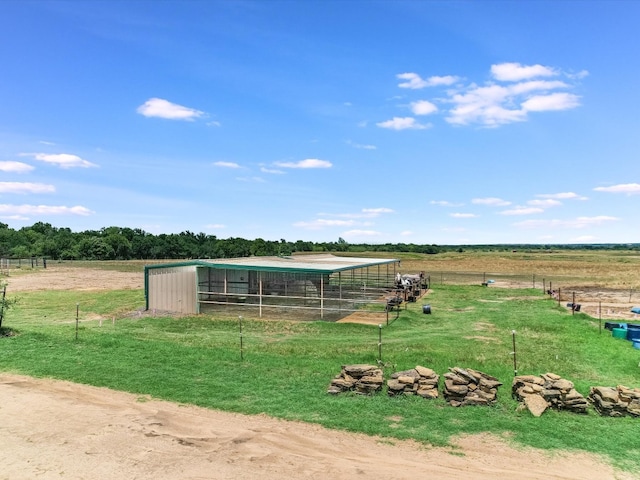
(325, 264)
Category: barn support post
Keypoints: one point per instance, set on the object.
(260, 293)
(321, 296)
(340, 292)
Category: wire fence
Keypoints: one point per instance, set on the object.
(7, 263)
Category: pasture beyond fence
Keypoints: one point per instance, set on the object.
(7, 263)
(590, 296)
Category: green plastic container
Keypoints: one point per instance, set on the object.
(619, 333)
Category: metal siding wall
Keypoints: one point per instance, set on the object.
(173, 289)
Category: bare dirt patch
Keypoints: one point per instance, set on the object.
(60, 277)
(54, 429)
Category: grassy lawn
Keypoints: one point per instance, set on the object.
(287, 366)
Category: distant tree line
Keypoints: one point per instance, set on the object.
(116, 243)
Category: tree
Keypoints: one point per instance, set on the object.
(95, 248)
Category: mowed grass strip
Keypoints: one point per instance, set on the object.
(286, 367)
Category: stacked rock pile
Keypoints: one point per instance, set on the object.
(469, 387)
(547, 390)
(420, 381)
(363, 379)
(616, 402)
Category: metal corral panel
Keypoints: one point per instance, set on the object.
(173, 289)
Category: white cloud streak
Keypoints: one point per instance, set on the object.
(7, 209)
(25, 187)
(628, 188)
(491, 202)
(62, 160)
(514, 72)
(414, 81)
(445, 203)
(307, 163)
(376, 211)
(554, 101)
(160, 108)
(15, 167)
(223, 164)
(463, 215)
(271, 171)
(544, 203)
(402, 123)
(361, 146)
(522, 211)
(562, 196)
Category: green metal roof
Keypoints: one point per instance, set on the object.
(324, 263)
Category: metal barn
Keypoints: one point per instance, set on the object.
(301, 286)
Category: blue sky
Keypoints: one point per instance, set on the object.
(372, 121)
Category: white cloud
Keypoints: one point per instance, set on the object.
(406, 233)
(535, 85)
(361, 146)
(214, 123)
(227, 164)
(25, 187)
(545, 203)
(402, 123)
(553, 101)
(7, 209)
(215, 226)
(494, 103)
(484, 105)
(307, 163)
(522, 211)
(463, 215)
(423, 107)
(414, 81)
(491, 201)
(376, 211)
(15, 167)
(562, 196)
(445, 203)
(63, 160)
(272, 171)
(628, 188)
(158, 107)
(580, 222)
(365, 213)
(513, 72)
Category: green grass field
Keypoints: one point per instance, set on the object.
(287, 366)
